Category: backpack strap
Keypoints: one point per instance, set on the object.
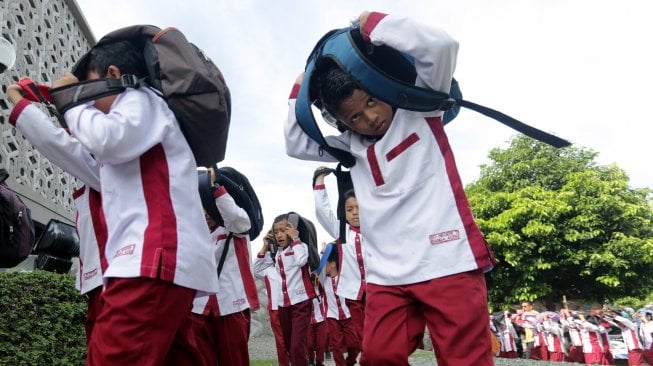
(223, 256)
(72, 95)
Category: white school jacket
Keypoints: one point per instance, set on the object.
(272, 281)
(65, 151)
(413, 210)
(351, 282)
(629, 331)
(292, 266)
(149, 191)
(335, 304)
(590, 334)
(319, 313)
(237, 291)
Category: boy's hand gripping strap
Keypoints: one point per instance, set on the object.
(41, 94)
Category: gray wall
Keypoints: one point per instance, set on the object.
(49, 36)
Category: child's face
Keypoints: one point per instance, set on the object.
(280, 233)
(365, 114)
(351, 211)
(104, 103)
(331, 269)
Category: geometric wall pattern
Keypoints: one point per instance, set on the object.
(49, 36)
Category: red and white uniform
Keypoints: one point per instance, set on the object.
(419, 228)
(291, 263)
(335, 304)
(508, 340)
(149, 191)
(555, 340)
(237, 290)
(67, 152)
(351, 283)
(413, 151)
(575, 353)
(592, 342)
(273, 288)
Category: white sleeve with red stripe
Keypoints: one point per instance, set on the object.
(323, 211)
(235, 218)
(55, 143)
(434, 50)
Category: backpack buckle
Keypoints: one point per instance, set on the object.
(129, 81)
(447, 104)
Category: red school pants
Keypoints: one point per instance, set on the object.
(143, 322)
(282, 353)
(454, 308)
(92, 311)
(343, 338)
(222, 340)
(357, 311)
(295, 321)
(317, 342)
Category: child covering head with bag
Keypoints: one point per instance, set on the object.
(424, 254)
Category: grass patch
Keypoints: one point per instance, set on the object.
(263, 362)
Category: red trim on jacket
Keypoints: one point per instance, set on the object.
(18, 109)
(159, 258)
(372, 21)
(374, 166)
(219, 192)
(294, 92)
(476, 241)
(405, 144)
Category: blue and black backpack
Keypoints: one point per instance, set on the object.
(388, 75)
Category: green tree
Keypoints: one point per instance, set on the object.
(560, 224)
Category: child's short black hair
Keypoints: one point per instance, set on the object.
(333, 85)
(123, 54)
(349, 194)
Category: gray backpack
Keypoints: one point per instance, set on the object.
(190, 83)
(16, 226)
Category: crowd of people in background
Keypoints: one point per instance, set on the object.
(573, 336)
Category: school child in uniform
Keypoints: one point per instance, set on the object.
(423, 251)
(67, 152)
(508, 338)
(351, 280)
(555, 339)
(272, 281)
(607, 358)
(343, 336)
(540, 349)
(221, 322)
(646, 334)
(296, 305)
(570, 323)
(592, 340)
(318, 332)
(158, 250)
(629, 333)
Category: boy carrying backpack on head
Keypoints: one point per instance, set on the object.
(221, 322)
(424, 254)
(158, 249)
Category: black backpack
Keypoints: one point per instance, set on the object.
(343, 179)
(239, 187)
(190, 83)
(308, 235)
(16, 226)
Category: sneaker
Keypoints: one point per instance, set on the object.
(327, 355)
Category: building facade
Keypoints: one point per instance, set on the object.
(49, 36)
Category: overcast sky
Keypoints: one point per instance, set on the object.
(580, 69)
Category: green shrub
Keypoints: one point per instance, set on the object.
(42, 321)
